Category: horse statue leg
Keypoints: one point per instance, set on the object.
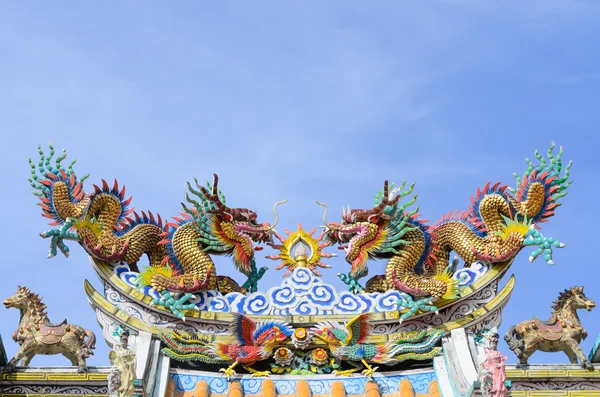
(529, 347)
(77, 360)
(574, 352)
(76, 349)
(27, 359)
(26, 350)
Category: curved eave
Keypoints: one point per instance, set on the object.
(106, 273)
(498, 302)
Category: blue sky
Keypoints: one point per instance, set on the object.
(304, 102)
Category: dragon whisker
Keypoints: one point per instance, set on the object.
(276, 216)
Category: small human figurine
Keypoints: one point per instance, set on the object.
(120, 380)
(493, 376)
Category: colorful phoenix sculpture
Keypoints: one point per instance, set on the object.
(497, 225)
(178, 251)
(348, 344)
(254, 342)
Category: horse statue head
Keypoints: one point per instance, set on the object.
(573, 299)
(26, 301)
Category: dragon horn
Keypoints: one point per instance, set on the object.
(276, 216)
(213, 196)
(385, 201)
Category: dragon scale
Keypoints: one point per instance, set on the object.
(499, 223)
(178, 251)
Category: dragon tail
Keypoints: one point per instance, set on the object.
(58, 188)
(164, 278)
(452, 287)
(170, 274)
(538, 191)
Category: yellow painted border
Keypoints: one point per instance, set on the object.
(106, 273)
(526, 374)
(54, 377)
(555, 393)
(557, 375)
(499, 301)
(50, 395)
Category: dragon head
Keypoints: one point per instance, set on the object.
(369, 233)
(228, 230)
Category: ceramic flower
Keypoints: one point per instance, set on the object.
(319, 357)
(283, 356)
(300, 338)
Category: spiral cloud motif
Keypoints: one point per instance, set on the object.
(300, 293)
(256, 303)
(306, 308)
(204, 298)
(468, 275)
(301, 279)
(219, 304)
(322, 296)
(283, 297)
(387, 301)
(348, 303)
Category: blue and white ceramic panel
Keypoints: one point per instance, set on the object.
(388, 384)
(302, 293)
(469, 275)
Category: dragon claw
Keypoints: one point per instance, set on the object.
(545, 245)
(352, 283)
(176, 304)
(423, 304)
(57, 237)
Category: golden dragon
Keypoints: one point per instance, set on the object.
(497, 225)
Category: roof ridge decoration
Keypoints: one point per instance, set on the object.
(499, 223)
